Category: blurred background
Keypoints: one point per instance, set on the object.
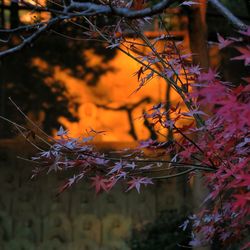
(65, 80)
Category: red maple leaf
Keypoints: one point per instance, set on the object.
(136, 183)
(241, 200)
(139, 73)
(100, 183)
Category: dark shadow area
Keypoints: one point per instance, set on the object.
(162, 234)
(28, 78)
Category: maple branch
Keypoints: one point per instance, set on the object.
(175, 175)
(27, 6)
(30, 39)
(237, 23)
(22, 28)
(94, 9)
(77, 9)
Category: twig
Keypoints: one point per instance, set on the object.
(21, 127)
(118, 11)
(236, 22)
(29, 120)
(28, 41)
(174, 175)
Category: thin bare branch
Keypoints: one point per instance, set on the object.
(236, 22)
(174, 175)
(30, 39)
(118, 11)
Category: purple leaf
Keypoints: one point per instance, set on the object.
(61, 132)
(188, 3)
(246, 33)
(116, 168)
(136, 183)
(223, 42)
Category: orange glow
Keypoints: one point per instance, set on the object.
(114, 89)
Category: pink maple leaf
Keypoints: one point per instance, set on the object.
(209, 77)
(136, 183)
(246, 79)
(187, 152)
(195, 69)
(246, 246)
(100, 183)
(245, 55)
(223, 42)
(246, 33)
(244, 180)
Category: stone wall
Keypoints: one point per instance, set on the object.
(32, 217)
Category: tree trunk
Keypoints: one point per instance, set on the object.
(198, 34)
(2, 22)
(14, 16)
(198, 45)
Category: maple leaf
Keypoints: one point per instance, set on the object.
(241, 200)
(121, 175)
(245, 51)
(63, 187)
(246, 33)
(193, 112)
(225, 235)
(209, 76)
(184, 225)
(101, 161)
(139, 73)
(116, 168)
(70, 182)
(147, 143)
(100, 183)
(223, 42)
(55, 164)
(131, 165)
(246, 79)
(149, 166)
(188, 3)
(187, 152)
(136, 183)
(244, 180)
(195, 242)
(195, 70)
(246, 246)
(169, 72)
(61, 132)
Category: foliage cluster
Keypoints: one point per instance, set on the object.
(208, 131)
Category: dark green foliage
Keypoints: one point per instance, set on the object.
(163, 234)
